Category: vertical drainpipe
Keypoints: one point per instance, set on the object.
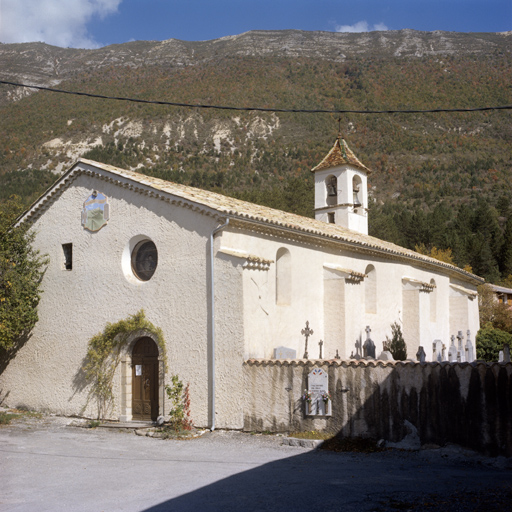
(212, 323)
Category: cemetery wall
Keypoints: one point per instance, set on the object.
(469, 404)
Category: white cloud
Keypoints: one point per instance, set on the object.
(361, 26)
(57, 22)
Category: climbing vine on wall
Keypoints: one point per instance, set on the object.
(104, 355)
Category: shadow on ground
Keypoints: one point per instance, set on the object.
(327, 481)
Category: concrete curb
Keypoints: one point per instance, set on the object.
(304, 443)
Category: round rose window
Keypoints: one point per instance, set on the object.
(144, 260)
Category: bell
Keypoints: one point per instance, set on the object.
(357, 203)
(332, 187)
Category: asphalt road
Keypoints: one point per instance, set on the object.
(47, 465)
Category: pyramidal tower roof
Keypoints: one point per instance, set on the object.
(340, 154)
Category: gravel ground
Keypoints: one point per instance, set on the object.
(53, 463)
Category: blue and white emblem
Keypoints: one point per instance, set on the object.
(95, 212)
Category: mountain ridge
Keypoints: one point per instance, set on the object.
(45, 65)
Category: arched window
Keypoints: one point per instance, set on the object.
(370, 290)
(357, 191)
(331, 185)
(433, 302)
(283, 277)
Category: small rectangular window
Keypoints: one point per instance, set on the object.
(330, 216)
(67, 249)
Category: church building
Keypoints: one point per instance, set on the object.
(226, 281)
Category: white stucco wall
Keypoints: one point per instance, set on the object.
(399, 297)
(77, 304)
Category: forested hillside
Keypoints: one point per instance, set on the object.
(439, 180)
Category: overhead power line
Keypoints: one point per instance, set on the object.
(258, 109)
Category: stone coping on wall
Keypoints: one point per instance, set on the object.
(354, 363)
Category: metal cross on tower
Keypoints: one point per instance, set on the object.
(306, 332)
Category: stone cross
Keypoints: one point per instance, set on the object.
(452, 351)
(337, 356)
(460, 355)
(369, 346)
(320, 343)
(307, 332)
(470, 356)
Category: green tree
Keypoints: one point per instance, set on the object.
(21, 271)
(506, 252)
(489, 342)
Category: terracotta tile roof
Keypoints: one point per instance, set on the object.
(340, 154)
(245, 211)
(372, 363)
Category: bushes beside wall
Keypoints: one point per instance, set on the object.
(469, 404)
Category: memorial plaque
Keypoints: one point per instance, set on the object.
(318, 384)
(318, 381)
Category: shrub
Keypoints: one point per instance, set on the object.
(179, 415)
(489, 342)
(396, 345)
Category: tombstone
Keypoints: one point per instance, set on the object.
(501, 357)
(420, 355)
(318, 384)
(461, 355)
(437, 351)
(285, 353)
(470, 353)
(386, 355)
(369, 345)
(506, 354)
(452, 351)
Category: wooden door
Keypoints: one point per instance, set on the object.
(145, 380)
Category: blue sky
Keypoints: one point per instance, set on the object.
(95, 23)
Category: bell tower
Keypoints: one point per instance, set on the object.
(341, 195)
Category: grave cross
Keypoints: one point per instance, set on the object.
(369, 346)
(307, 332)
(460, 354)
(320, 343)
(469, 348)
